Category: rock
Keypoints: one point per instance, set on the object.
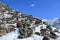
(45, 38)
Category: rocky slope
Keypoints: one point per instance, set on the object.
(31, 28)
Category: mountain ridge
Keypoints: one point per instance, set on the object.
(36, 28)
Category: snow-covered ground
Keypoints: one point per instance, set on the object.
(10, 36)
(14, 34)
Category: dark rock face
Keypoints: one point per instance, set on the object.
(37, 33)
(53, 35)
(45, 38)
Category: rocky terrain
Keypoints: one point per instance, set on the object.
(15, 25)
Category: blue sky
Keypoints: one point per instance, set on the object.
(44, 9)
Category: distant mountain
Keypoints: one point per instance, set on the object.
(54, 22)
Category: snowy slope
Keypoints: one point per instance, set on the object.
(13, 35)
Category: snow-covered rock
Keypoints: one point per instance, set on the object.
(7, 16)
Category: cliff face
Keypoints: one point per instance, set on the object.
(31, 28)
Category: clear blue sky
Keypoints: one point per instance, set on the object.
(48, 9)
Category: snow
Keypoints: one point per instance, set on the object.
(30, 38)
(10, 36)
(58, 30)
(44, 20)
(14, 19)
(11, 24)
(36, 37)
(6, 12)
(13, 36)
(7, 16)
(53, 28)
(38, 28)
(3, 8)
